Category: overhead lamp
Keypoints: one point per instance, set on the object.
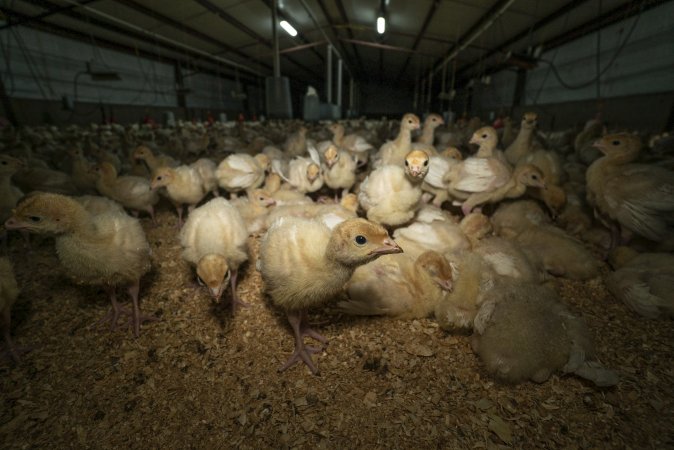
(381, 24)
(289, 28)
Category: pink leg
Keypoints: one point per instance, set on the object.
(306, 330)
(236, 301)
(137, 317)
(112, 316)
(302, 351)
(179, 208)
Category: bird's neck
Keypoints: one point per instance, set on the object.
(525, 136)
(338, 136)
(5, 182)
(404, 136)
(427, 135)
(486, 150)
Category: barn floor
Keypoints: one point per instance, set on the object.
(201, 378)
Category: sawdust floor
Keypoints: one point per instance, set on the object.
(201, 378)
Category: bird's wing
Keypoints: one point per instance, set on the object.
(641, 198)
(481, 174)
(437, 168)
(313, 153)
(276, 168)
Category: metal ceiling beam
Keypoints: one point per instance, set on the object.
(132, 4)
(381, 46)
(44, 15)
(420, 35)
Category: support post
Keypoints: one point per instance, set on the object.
(328, 75)
(339, 83)
(274, 32)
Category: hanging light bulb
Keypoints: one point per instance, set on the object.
(381, 24)
(289, 28)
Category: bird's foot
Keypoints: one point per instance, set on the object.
(135, 322)
(308, 331)
(111, 318)
(238, 303)
(303, 354)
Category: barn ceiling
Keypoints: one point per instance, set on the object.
(234, 37)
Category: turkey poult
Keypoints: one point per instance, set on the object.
(304, 264)
(630, 198)
(215, 240)
(523, 332)
(108, 250)
(399, 286)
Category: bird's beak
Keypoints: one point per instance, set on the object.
(473, 140)
(389, 246)
(415, 172)
(153, 186)
(13, 224)
(330, 163)
(598, 144)
(216, 292)
(446, 285)
(416, 126)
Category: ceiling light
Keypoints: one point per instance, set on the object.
(289, 28)
(381, 25)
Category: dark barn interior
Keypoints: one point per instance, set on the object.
(337, 224)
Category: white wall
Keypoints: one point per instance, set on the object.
(645, 64)
(39, 65)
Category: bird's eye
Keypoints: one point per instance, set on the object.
(535, 177)
(261, 198)
(426, 163)
(407, 163)
(616, 142)
(361, 240)
(484, 136)
(159, 178)
(35, 218)
(4, 163)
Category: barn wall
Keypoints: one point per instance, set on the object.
(42, 73)
(644, 65)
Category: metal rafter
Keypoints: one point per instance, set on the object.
(420, 35)
(49, 12)
(191, 31)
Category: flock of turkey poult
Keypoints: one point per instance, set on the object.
(465, 223)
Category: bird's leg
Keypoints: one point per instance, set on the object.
(236, 301)
(216, 192)
(113, 315)
(179, 208)
(137, 318)
(150, 210)
(306, 330)
(302, 352)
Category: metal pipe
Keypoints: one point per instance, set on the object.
(339, 83)
(328, 75)
(351, 94)
(159, 37)
(274, 33)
